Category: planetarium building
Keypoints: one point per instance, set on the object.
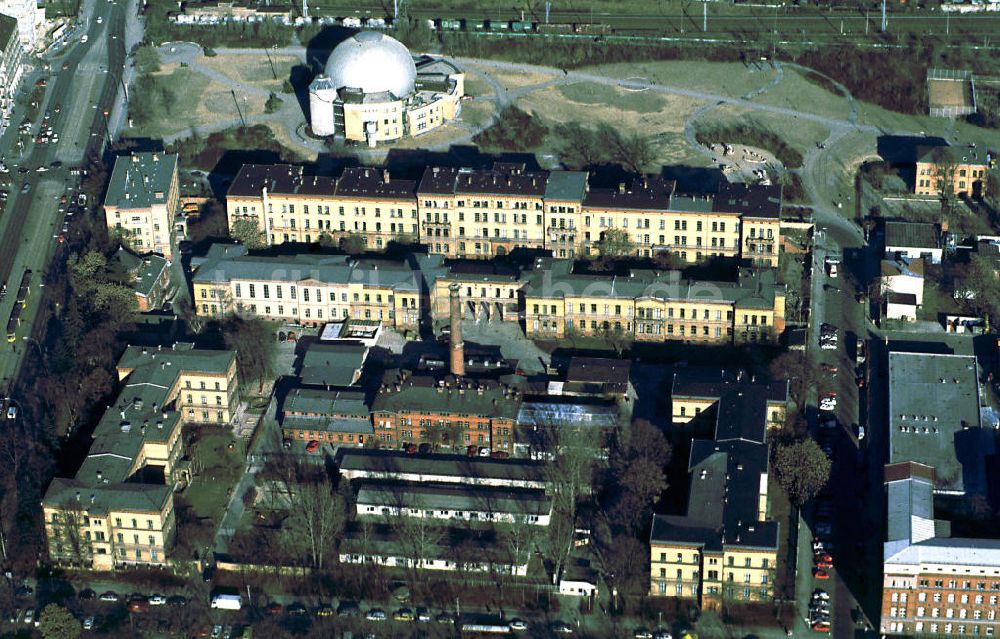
(373, 90)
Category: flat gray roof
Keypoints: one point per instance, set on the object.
(934, 418)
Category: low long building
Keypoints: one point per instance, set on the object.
(454, 503)
(307, 289)
(482, 213)
(725, 548)
(433, 552)
(394, 465)
(119, 508)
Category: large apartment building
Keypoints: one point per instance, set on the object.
(142, 202)
(487, 212)
(725, 548)
(655, 306)
(11, 68)
(119, 508)
(306, 289)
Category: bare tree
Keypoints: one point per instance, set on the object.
(72, 543)
(317, 513)
(418, 538)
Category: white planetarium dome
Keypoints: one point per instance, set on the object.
(373, 63)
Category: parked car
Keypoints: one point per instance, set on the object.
(403, 614)
(348, 609)
(86, 594)
(819, 573)
(296, 610)
(157, 600)
(324, 611)
(642, 633)
(29, 616)
(518, 624)
(88, 623)
(561, 628)
(109, 597)
(273, 608)
(376, 614)
(444, 617)
(176, 600)
(312, 446)
(423, 615)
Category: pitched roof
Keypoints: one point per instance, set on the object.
(491, 499)
(336, 364)
(391, 464)
(911, 235)
(146, 270)
(429, 394)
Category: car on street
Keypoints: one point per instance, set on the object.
(561, 628)
(376, 614)
(826, 405)
(518, 624)
(12, 412)
(348, 609)
(29, 616)
(296, 610)
(642, 633)
(157, 600)
(109, 597)
(324, 611)
(444, 617)
(423, 615)
(403, 614)
(819, 573)
(273, 609)
(660, 633)
(177, 601)
(88, 623)
(216, 631)
(86, 594)
(25, 188)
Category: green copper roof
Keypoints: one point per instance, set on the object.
(140, 180)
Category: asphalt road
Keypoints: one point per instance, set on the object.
(82, 80)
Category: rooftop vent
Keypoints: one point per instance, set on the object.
(126, 427)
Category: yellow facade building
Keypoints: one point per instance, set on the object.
(724, 549)
(653, 306)
(141, 204)
(692, 394)
(118, 510)
(960, 169)
(482, 213)
(288, 206)
(306, 289)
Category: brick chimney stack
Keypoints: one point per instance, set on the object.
(457, 345)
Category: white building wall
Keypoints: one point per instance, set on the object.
(29, 17)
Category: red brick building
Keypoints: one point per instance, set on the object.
(450, 412)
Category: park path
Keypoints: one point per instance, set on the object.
(291, 118)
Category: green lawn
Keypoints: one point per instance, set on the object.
(219, 470)
(593, 93)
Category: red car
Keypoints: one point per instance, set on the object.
(411, 449)
(821, 627)
(819, 573)
(273, 609)
(824, 557)
(312, 446)
(824, 565)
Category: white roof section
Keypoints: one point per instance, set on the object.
(953, 551)
(372, 62)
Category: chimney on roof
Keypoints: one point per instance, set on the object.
(457, 350)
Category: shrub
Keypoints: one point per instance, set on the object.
(514, 130)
